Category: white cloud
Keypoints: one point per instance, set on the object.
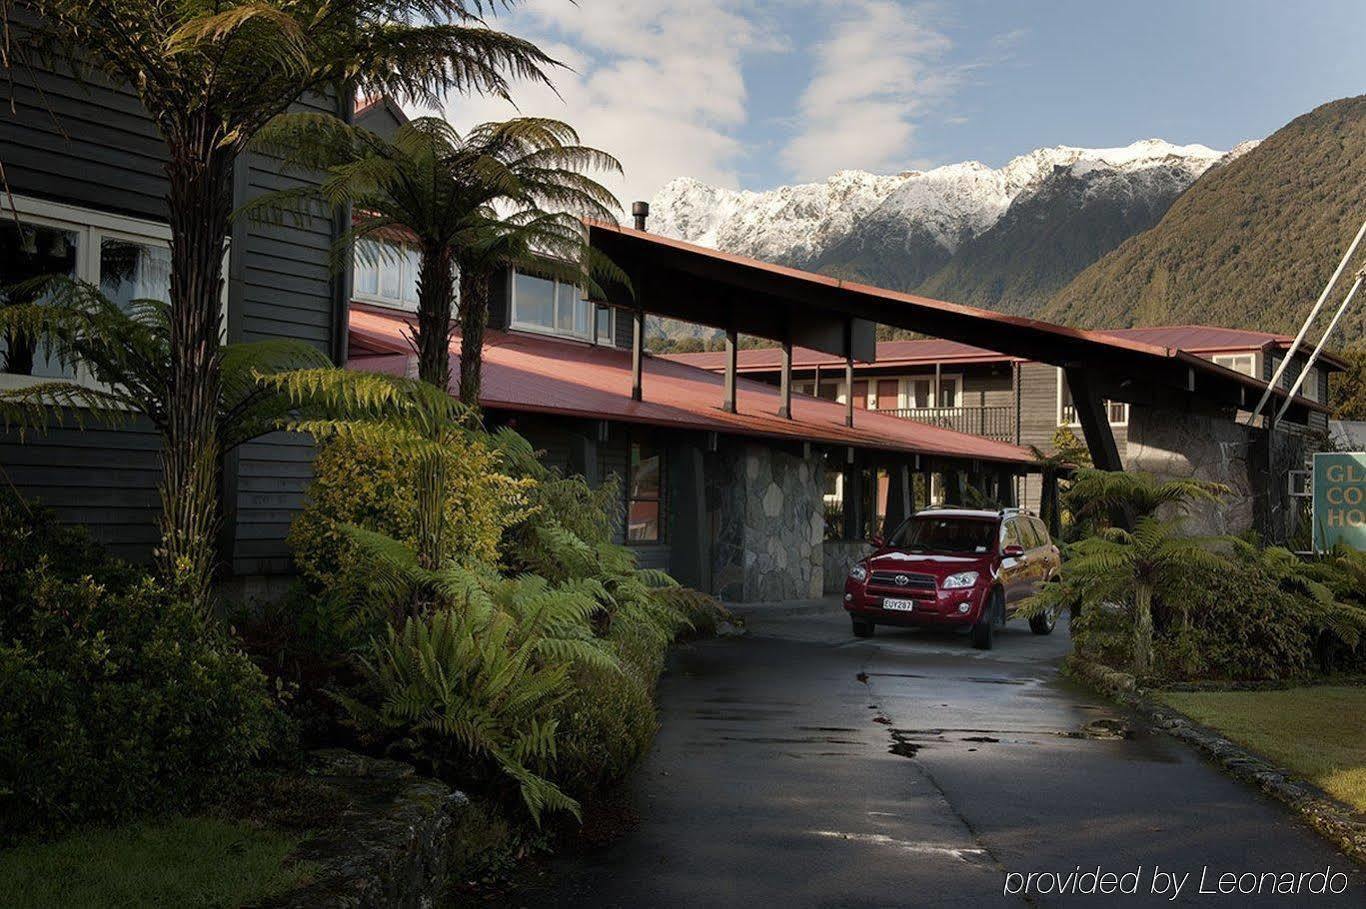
(872, 79)
(659, 84)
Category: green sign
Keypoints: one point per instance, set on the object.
(1340, 500)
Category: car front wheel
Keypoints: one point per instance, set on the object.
(984, 631)
(862, 629)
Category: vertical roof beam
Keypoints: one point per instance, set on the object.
(637, 352)
(785, 381)
(849, 372)
(732, 348)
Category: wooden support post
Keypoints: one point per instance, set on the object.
(849, 372)
(637, 352)
(785, 382)
(853, 502)
(1094, 418)
(732, 347)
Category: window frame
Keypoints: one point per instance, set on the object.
(1225, 360)
(377, 298)
(1073, 421)
(590, 337)
(660, 498)
(91, 226)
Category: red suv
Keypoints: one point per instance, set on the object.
(954, 568)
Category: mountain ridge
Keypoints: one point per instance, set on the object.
(967, 232)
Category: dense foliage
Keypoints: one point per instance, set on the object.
(520, 657)
(116, 698)
(1249, 245)
(1161, 603)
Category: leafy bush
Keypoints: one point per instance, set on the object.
(117, 702)
(371, 485)
(469, 696)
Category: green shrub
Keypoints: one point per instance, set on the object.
(373, 486)
(470, 694)
(116, 703)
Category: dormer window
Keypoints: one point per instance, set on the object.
(555, 307)
(386, 274)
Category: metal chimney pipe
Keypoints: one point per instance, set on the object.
(640, 211)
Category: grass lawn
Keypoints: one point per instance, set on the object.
(1320, 732)
(180, 862)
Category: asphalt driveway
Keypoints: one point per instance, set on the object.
(801, 767)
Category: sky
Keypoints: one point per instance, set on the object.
(753, 94)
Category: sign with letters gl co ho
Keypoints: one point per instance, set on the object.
(1339, 500)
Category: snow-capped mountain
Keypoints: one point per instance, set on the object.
(1045, 215)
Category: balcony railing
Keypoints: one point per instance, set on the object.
(995, 421)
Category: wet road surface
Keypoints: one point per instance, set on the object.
(801, 767)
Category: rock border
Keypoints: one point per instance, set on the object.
(388, 847)
(1336, 821)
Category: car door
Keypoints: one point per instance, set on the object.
(1014, 569)
(1050, 560)
(1036, 556)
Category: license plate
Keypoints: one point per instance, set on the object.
(898, 605)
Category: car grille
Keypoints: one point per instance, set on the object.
(901, 580)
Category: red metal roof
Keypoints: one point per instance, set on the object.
(548, 375)
(1197, 339)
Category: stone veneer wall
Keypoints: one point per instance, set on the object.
(839, 556)
(768, 513)
(1174, 444)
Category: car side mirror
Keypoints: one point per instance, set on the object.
(876, 541)
(1012, 551)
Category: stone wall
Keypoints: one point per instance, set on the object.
(1170, 443)
(767, 512)
(838, 557)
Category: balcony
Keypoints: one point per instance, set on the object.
(994, 422)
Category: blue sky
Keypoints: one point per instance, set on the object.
(760, 93)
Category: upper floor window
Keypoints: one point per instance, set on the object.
(386, 273)
(1117, 411)
(126, 258)
(558, 308)
(1244, 363)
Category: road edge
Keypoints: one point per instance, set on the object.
(1336, 821)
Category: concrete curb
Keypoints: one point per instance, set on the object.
(786, 609)
(1334, 820)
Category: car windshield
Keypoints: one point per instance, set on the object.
(944, 534)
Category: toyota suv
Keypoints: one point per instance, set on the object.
(954, 568)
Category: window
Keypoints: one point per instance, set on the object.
(557, 308)
(1243, 363)
(126, 258)
(606, 330)
(386, 273)
(1118, 411)
(645, 495)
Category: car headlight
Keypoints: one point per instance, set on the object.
(960, 580)
(858, 573)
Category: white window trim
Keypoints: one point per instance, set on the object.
(1075, 422)
(93, 225)
(376, 298)
(936, 387)
(1225, 360)
(590, 337)
(611, 339)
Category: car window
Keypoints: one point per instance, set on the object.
(1042, 530)
(1010, 534)
(926, 533)
(1029, 538)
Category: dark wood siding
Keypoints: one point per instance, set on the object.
(90, 146)
(283, 286)
(93, 146)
